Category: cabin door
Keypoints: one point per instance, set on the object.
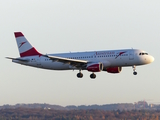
(131, 55)
(38, 60)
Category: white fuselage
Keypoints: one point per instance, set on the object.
(109, 58)
(111, 61)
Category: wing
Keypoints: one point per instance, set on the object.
(73, 62)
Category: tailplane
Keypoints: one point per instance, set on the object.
(24, 47)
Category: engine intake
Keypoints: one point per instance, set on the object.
(95, 67)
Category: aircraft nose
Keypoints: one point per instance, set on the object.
(151, 59)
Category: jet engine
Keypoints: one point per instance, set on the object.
(95, 67)
(114, 69)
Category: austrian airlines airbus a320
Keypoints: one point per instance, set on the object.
(111, 61)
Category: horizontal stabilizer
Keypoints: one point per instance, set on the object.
(19, 59)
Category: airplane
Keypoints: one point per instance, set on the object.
(110, 61)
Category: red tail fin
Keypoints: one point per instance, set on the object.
(24, 47)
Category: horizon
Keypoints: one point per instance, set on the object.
(156, 103)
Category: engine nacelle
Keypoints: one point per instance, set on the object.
(95, 67)
(114, 69)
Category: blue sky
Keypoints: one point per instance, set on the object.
(55, 26)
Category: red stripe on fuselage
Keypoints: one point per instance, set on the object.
(18, 34)
(30, 52)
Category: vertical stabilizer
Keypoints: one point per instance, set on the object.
(24, 47)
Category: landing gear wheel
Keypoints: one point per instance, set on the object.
(134, 70)
(92, 76)
(79, 75)
(134, 73)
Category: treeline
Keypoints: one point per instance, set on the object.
(119, 106)
(50, 114)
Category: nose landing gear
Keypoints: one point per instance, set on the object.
(134, 73)
(134, 70)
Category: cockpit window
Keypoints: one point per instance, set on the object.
(143, 53)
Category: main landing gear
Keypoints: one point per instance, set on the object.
(134, 70)
(93, 76)
(80, 75)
